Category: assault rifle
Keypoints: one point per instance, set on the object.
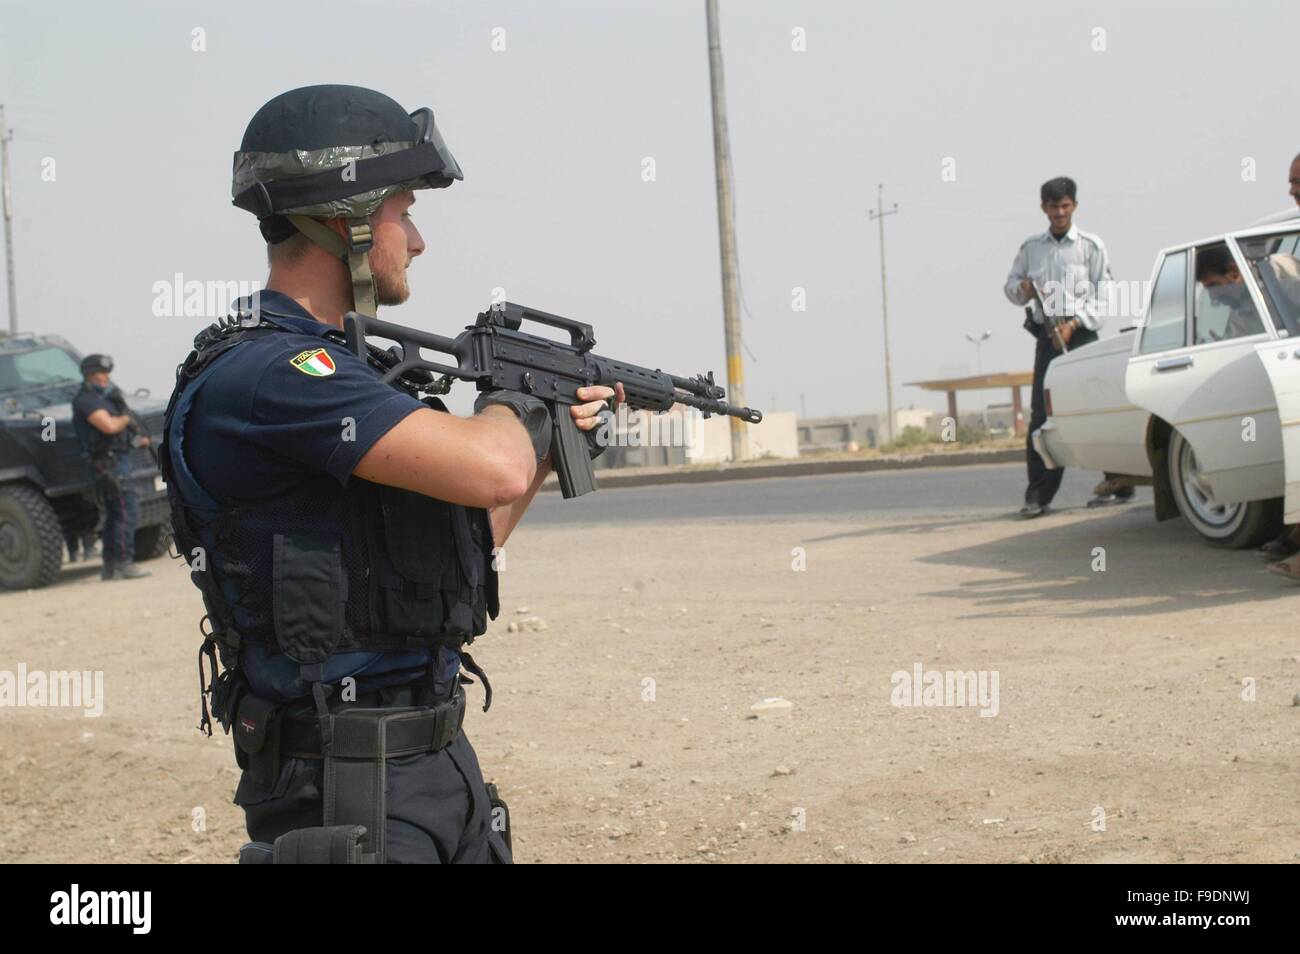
(494, 354)
(137, 426)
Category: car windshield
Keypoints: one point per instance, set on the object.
(37, 368)
(1275, 263)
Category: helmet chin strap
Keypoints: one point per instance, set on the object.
(353, 251)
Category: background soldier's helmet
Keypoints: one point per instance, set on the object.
(322, 152)
(96, 362)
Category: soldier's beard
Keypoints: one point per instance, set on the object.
(390, 279)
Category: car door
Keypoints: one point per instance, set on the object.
(1281, 360)
(1195, 366)
(1275, 266)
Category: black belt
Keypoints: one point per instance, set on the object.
(407, 731)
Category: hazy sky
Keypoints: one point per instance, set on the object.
(552, 133)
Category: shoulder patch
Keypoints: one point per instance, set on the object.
(315, 363)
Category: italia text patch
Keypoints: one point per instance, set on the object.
(315, 363)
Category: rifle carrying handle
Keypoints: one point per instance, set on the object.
(570, 455)
(580, 333)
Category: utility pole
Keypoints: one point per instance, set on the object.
(6, 134)
(727, 237)
(879, 216)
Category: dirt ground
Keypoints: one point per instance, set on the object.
(1125, 695)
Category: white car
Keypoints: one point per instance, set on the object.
(1201, 399)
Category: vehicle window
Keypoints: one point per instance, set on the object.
(1222, 307)
(1275, 264)
(38, 367)
(1167, 314)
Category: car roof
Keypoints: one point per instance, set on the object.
(1265, 226)
(28, 341)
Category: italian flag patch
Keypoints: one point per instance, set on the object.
(315, 363)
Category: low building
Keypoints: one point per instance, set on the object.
(683, 436)
(859, 431)
(775, 436)
(836, 433)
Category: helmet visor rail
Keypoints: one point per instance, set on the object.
(428, 160)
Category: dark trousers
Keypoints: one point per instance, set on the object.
(1044, 483)
(120, 505)
(438, 807)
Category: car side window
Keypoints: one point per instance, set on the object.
(1221, 306)
(1275, 264)
(1166, 317)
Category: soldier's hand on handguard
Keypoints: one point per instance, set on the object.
(587, 416)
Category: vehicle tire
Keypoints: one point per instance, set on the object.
(151, 542)
(1234, 526)
(31, 539)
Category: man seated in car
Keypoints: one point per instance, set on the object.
(1217, 272)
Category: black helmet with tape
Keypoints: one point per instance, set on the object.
(93, 363)
(323, 152)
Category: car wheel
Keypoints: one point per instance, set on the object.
(1234, 526)
(31, 540)
(151, 542)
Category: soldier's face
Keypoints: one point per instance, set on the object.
(1294, 176)
(397, 241)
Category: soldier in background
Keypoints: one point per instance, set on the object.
(107, 432)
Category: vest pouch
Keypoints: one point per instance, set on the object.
(257, 740)
(420, 548)
(309, 590)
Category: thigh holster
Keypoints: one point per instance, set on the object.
(355, 804)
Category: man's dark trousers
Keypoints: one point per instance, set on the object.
(1043, 483)
(120, 506)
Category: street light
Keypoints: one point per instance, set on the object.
(978, 341)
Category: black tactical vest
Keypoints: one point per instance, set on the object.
(327, 569)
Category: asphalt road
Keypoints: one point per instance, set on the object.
(989, 488)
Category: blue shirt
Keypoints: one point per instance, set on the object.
(94, 442)
(273, 421)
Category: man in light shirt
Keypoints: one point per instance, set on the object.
(1065, 271)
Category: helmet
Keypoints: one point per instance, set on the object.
(322, 152)
(92, 363)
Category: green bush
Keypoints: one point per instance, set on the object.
(973, 435)
(912, 436)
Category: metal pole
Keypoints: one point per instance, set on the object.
(879, 215)
(979, 366)
(6, 134)
(726, 236)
